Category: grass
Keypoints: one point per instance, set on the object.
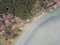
(2, 41)
(20, 33)
(12, 40)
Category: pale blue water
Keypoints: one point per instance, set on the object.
(45, 31)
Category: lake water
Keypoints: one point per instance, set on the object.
(45, 31)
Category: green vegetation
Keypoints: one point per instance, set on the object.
(4, 40)
(21, 8)
(0, 43)
(24, 9)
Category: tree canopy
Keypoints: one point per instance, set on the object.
(20, 8)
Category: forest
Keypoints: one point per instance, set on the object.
(21, 8)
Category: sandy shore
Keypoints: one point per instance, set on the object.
(37, 16)
(27, 26)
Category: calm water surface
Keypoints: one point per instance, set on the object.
(45, 31)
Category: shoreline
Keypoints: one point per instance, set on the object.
(21, 38)
(35, 18)
(27, 26)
